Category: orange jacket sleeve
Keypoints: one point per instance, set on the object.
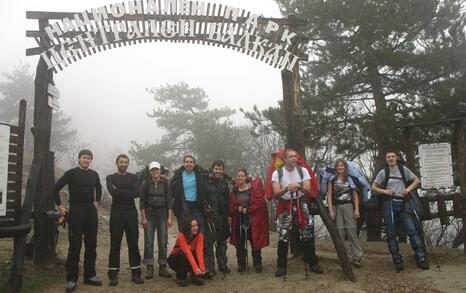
(200, 251)
(183, 243)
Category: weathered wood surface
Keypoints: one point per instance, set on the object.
(42, 133)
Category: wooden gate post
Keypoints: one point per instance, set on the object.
(42, 133)
(460, 130)
(293, 108)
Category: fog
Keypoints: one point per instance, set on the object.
(105, 94)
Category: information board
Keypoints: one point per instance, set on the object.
(436, 165)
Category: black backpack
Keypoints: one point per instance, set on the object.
(416, 201)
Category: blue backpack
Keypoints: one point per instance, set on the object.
(358, 178)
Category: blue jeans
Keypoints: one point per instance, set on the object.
(397, 212)
(157, 221)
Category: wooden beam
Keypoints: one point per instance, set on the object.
(424, 124)
(48, 15)
(337, 241)
(42, 133)
(460, 131)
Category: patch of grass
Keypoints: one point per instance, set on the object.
(35, 278)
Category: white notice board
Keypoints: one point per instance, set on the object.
(4, 151)
(436, 165)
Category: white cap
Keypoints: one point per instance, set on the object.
(154, 165)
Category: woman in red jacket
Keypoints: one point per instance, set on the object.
(249, 220)
(187, 255)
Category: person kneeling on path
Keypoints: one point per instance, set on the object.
(217, 229)
(85, 193)
(187, 255)
(249, 220)
(343, 207)
(290, 184)
(392, 183)
(156, 214)
(123, 187)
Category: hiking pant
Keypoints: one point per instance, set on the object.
(82, 221)
(242, 238)
(192, 210)
(307, 241)
(396, 212)
(180, 264)
(157, 221)
(124, 221)
(347, 226)
(220, 252)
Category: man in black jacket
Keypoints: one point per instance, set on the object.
(123, 187)
(186, 185)
(85, 193)
(217, 197)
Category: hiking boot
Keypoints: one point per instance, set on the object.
(150, 272)
(163, 272)
(281, 271)
(93, 281)
(316, 269)
(241, 269)
(258, 268)
(225, 270)
(357, 262)
(137, 279)
(423, 265)
(196, 280)
(182, 283)
(210, 275)
(399, 266)
(70, 286)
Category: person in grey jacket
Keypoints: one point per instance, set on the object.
(156, 215)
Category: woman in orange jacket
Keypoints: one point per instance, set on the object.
(187, 255)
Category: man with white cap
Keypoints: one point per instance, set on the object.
(156, 215)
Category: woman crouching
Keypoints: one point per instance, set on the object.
(187, 255)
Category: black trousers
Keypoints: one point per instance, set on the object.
(124, 221)
(82, 223)
(308, 248)
(180, 264)
(242, 237)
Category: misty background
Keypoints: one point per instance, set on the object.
(105, 94)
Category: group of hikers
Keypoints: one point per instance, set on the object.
(212, 208)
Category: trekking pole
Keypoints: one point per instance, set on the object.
(290, 210)
(301, 238)
(245, 227)
(213, 232)
(422, 235)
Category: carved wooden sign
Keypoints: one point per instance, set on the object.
(77, 35)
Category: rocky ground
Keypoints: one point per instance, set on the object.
(376, 275)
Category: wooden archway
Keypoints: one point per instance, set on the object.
(73, 36)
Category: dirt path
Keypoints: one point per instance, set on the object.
(376, 275)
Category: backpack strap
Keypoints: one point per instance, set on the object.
(403, 175)
(300, 172)
(280, 173)
(387, 176)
